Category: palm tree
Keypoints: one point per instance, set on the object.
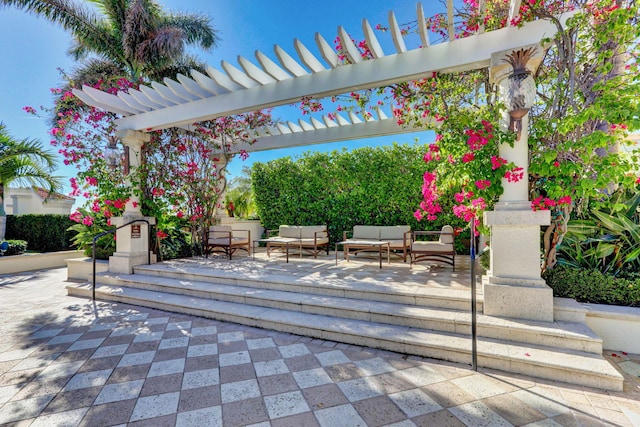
(24, 161)
(135, 36)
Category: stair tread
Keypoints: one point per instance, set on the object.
(581, 362)
(569, 330)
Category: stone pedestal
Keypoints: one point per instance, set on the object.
(132, 244)
(513, 286)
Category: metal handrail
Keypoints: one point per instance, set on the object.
(113, 230)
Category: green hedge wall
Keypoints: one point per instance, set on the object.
(368, 186)
(43, 233)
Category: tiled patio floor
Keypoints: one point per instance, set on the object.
(65, 361)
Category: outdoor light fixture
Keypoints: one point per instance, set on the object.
(519, 88)
(112, 154)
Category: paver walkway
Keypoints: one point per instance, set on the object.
(65, 361)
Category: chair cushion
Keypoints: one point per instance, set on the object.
(447, 238)
(431, 247)
(220, 228)
(393, 232)
(308, 231)
(397, 244)
(289, 231)
(371, 232)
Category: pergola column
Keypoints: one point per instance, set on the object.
(221, 184)
(513, 286)
(132, 241)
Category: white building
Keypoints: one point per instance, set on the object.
(22, 201)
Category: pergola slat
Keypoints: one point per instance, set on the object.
(307, 57)
(396, 33)
(222, 79)
(372, 40)
(132, 102)
(271, 67)
(155, 96)
(93, 97)
(254, 72)
(167, 94)
(350, 49)
(144, 99)
(207, 83)
(238, 76)
(289, 63)
(326, 51)
(422, 26)
(192, 86)
(180, 90)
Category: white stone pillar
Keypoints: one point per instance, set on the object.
(132, 241)
(513, 286)
(221, 215)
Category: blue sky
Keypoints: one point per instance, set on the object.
(34, 50)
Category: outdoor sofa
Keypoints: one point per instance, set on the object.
(312, 239)
(398, 236)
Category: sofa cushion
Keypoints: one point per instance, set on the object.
(308, 231)
(289, 231)
(366, 232)
(310, 242)
(393, 232)
(397, 244)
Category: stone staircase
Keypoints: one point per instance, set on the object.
(418, 320)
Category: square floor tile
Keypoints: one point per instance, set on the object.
(241, 390)
(62, 339)
(203, 330)
(199, 398)
(111, 350)
(379, 411)
(149, 336)
(66, 418)
(245, 412)
(47, 333)
(236, 358)
(478, 414)
(343, 415)
(201, 378)
(155, 406)
(23, 409)
(374, 366)
(142, 358)
(360, 389)
(88, 379)
(230, 337)
(324, 396)
(166, 367)
(276, 384)
(293, 350)
(285, 404)
(202, 350)
(184, 325)
(119, 391)
(162, 384)
(479, 386)
(86, 344)
(415, 402)
(260, 343)
(312, 378)
(270, 367)
(334, 357)
(211, 416)
(173, 343)
(421, 376)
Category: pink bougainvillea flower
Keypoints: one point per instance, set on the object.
(497, 162)
(88, 221)
(468, 157)
(91, 180)
(76, 216)
(161, 234)
(556, 164)
(180, 214)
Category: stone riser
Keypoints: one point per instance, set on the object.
(385, 313)
(573, 367)
(453, 300)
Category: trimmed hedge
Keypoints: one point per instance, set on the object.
(368, 186)
(45, 233)
(592, 286)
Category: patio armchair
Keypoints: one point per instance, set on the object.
(442, 250)
(221, 238)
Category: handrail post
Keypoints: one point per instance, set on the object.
(474, 339)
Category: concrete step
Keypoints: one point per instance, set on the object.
(571, 366)
(574, 336)
(455, 299)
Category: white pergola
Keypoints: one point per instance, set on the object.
(513, 288)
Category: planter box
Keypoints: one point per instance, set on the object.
(28, 262)
(82, 268)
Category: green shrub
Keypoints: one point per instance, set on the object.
(16, 247)
(593, 286)
(368, 186)
(45, 233)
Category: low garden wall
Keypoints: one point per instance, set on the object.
(36, 261)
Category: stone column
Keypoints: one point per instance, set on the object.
(513, 286)
(221, 215)
(132, 241)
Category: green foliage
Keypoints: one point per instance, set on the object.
(83, 240)
(609, 240)
(45, 233)
(370, 186)
(172, 240)
(590, 285)
(16, 247)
